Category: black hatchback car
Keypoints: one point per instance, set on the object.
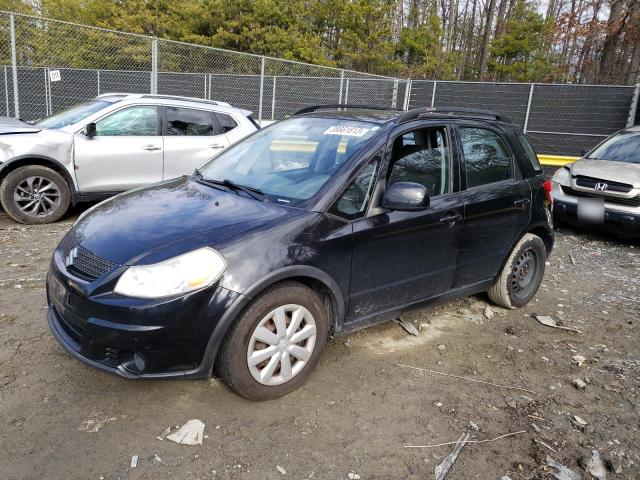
(320, 224)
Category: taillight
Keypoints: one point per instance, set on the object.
(547, 191)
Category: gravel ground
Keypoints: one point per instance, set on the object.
(60, 419)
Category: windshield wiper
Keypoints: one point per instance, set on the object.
(254, 193)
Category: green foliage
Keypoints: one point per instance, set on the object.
(516, 53)
(409, 38)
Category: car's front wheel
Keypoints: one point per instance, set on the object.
(275, 343)
(35, 194)
(522, 274)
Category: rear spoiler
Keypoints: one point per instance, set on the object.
(249, 116)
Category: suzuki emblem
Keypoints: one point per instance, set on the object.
(68, 260)
(601, 186)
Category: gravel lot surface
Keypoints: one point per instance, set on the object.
(60, 419)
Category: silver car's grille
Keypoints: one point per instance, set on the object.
(590, 182)
(630, 202)
(82, 263)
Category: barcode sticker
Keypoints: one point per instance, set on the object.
(347, 131)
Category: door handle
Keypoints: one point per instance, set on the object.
(450, 220)
(522, 202)
(216, 145)
(151, 148)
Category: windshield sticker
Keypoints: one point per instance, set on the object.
(347, 131)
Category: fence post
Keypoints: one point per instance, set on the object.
(46, 91)
(631, 119)
(394, 98)
(341, 84)
(205, 86)
(273, 99)
(526, 116)
(346, 92)
(154, 66)
(261, 90)
(433, 93)
(407, 91)
(6, 90)
(14, 66)
(98, 80)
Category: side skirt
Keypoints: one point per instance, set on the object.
(358, 323)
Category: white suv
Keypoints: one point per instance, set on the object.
(107, 145)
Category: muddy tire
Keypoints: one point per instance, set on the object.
(521, 276)
(274, 344)
(35, 194)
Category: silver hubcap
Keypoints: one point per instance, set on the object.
(281, 345)
(36, 196)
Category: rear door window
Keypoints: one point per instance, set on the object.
(486, 155)
(189, 122)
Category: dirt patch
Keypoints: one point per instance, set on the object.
(62, 420)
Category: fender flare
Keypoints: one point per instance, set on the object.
(243, 299)
(61, 169)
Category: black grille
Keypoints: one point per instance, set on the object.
(631, 202)
(590, 182)
(84, 264)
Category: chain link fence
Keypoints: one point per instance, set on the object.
(49, 65)
(558, 119)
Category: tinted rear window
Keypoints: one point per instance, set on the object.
(530, 153)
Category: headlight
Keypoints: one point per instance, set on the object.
(185, 273)
(562, 176)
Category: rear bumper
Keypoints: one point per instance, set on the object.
(614, 221)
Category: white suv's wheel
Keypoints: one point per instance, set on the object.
(275, 343)
(34, 194)
(522, 274)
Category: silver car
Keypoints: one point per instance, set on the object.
(602, 189)
(107, 145)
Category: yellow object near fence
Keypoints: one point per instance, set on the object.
(555, 160)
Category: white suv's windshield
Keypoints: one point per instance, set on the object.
(623, 147)
(291, 160)
(73, 115)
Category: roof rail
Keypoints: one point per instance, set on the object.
(440, 112)
(166, 97)
(341, 105)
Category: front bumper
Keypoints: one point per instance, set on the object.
(134, 338)
(615, 221)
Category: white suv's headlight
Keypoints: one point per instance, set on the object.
(562, 176)
(185, 273)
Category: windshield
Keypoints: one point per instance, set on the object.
(291, 160)
(73, 115)
(623, 147)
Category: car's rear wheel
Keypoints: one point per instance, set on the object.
(522, 274)
(275, 343)
(35, 194)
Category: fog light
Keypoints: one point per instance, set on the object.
(138, 361)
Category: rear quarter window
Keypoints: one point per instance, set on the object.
(530, 154)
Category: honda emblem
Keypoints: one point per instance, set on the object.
(601, 186)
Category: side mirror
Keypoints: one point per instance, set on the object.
(583, 152)
(406, 196)
(90, 130)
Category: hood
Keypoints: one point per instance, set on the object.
(10, 125)
(161, 221)
(622, 172)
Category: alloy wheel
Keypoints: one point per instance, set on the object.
(36, 196)
(281, 344)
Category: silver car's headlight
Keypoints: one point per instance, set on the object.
(562, 177)
(185, 273)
